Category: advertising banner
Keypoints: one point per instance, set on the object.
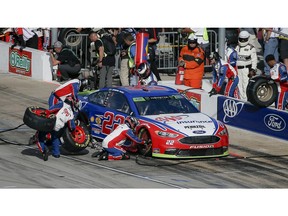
(20, 62)
(268, 121)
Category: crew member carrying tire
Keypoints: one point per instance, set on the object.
(278, 73)
(123, 135)
(64, 115)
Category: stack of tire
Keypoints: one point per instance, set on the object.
(262, 91)
(41, 120)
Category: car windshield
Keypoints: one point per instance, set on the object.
(156, 105)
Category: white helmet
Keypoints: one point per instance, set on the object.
(192, 38)
(243, 38)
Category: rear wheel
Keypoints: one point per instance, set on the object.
(76, 140)
(145, 149)
(262, 91)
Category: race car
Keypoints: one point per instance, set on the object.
(170, 124)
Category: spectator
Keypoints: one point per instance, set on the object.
(221, 71)
(246, 63)
(278, 72)
(130, 41)
(68, 63)
(283, 47)
(43, 38)
(106, 63)
(270, 46)
(124, 68)
(192, 58)
(123, 135)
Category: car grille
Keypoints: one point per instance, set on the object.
(199, 140)
(198, 152)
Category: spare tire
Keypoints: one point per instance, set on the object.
(39, 119)
(76, 140)
(261, 91)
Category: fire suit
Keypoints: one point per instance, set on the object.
(70, 88)
(122, 135)
(231, 56)
(247, 61)
(64, 114)
(279, 75)
(222, 70)
(194, 66)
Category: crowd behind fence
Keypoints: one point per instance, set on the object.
(167, 52)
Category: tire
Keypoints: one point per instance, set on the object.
(77, 140)
(261, 91)
(72, 41)
(39, 119)
(145, 149)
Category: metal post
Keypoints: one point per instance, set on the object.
(54, 35)
(221, 41)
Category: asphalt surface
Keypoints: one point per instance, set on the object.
(255, 161)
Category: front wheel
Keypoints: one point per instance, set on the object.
(145, 149)
(76, 140)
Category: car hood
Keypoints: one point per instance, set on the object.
(194, 123)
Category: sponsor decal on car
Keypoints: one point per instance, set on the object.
(169, 142)
(199, 132)
(194, 121)
(274, 122)
(171, 118)
(156, 150)
(194, 126)
(201, 146)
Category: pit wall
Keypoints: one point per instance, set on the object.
(30, 62)
(268, 121)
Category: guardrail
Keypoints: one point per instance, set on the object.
(167, 51)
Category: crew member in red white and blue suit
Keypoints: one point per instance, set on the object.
(222, 70)
(278, 73)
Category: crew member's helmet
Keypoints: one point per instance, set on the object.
(214, 55)
(243, 38)
(131, 122)
(192, 38)
(83, 84)
(143, 70)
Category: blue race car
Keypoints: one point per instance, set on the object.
(171, 124)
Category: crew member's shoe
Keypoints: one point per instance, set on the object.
(45, 153)
(103, 156)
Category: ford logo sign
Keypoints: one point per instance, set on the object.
(274, 122)
(199, 132)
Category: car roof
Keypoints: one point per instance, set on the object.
(136, 91)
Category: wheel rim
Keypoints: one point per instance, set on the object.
(79, 135)
(264, 92)
(145, 148)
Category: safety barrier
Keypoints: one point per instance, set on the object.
(167, 51)
(28, 62)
